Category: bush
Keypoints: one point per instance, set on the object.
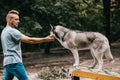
(53, 73)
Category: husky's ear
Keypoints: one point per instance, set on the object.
(52, 27)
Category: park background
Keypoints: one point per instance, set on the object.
(84, 15)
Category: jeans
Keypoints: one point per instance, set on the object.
(17, 70)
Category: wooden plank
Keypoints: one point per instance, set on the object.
(95, 76)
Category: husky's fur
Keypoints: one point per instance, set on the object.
(75, 40)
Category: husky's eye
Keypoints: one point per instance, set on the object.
(53, 28)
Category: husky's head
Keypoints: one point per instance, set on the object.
(58, 31)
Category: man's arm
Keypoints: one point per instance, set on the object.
(31, 40)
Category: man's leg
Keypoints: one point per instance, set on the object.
(17, 70)
(8, 75)
(20, 72)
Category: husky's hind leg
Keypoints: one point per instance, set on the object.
(100, 61)
(94, 58)
(102, 50)
(98, 58)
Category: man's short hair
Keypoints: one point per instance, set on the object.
(13, 12)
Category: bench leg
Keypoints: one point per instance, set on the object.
(75, 78)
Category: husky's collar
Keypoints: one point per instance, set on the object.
(63, 37)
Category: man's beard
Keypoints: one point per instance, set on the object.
(14, 26)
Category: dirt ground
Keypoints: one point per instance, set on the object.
(62, 58)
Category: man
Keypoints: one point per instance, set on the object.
(11, 39)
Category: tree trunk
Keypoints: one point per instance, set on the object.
(106, 4)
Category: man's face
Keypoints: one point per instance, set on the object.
(14, 20)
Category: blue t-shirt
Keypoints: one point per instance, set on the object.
(11, 44)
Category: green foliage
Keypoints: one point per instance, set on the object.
(37, 15)
(30, 27)
(115, 20)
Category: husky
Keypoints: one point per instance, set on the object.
(75, 40)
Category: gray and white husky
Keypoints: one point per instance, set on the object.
(75, 40)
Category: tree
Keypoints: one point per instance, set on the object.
(85, 15)
(106, 9)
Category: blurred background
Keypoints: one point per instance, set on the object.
(85, 15)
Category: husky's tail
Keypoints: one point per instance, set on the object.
(109, 55)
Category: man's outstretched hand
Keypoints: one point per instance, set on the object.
(50, 38)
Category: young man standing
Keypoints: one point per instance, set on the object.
(11, 39)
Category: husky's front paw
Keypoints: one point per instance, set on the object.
(76, 67)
